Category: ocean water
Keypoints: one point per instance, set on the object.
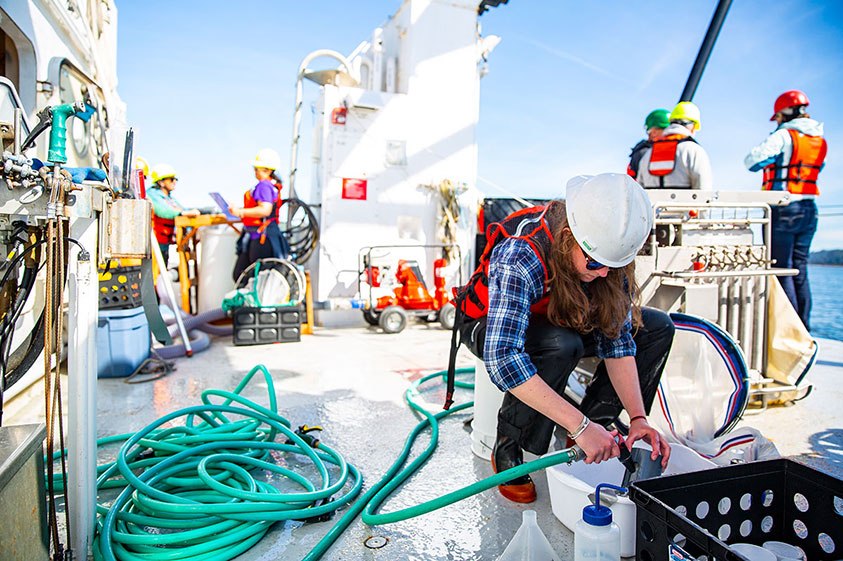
(827, 293)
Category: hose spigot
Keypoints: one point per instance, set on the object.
(58, 130)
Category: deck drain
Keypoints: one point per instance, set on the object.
(375, 542)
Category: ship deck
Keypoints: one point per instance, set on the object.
(352, 382)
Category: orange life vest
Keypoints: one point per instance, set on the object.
(165, 229)
(529, 224)
(663, 157)
(472, 300)
(806, 161)
(261, 223)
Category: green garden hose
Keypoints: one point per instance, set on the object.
(374, 497)
(187, 492)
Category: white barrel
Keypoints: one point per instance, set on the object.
(216, 262)
(487, 402)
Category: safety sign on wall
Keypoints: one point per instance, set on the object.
(354, 189)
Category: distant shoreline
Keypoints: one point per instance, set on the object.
(826, 257)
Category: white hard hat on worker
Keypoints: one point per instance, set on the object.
(163, 171)
(267, 158)
(610, 217)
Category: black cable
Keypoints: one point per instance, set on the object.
(18, 258)
(33, 351)
(8, 328)
(8, 377)
(7, 325)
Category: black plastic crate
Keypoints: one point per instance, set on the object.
(271, 324)
(694, 515)
(120, 288)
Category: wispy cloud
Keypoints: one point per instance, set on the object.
(564, 55)
(662, 63)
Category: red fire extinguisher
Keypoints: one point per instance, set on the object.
(440, 295)
(373, 277)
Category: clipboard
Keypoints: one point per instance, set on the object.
(223, 207)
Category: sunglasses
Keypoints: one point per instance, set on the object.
(592, 264)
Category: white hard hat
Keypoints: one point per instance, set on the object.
(610, 216)
(163, 171)
(267, 158)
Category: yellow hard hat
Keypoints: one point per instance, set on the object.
(267, 158)
(141, 164)
(686, 111)
(162, 171)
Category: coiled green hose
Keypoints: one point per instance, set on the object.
(188, 494)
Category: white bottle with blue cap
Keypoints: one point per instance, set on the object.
(596, 537)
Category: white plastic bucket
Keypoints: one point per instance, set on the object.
(216, 262)
(487, 402)
(570, 486)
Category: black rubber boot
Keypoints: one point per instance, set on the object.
(505, 455)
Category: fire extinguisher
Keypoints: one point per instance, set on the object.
(373, 277)
(440, 295)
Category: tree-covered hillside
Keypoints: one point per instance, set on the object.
(827, 257)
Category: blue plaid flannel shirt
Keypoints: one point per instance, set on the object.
(516, 282)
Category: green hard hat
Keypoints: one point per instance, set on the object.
(657, 119)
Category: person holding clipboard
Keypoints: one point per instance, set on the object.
(261, 237)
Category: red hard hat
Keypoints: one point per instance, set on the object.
(793, 98)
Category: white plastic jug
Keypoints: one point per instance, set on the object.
(529, 542)
(596, 537)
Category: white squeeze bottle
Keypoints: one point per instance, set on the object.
(596, 537)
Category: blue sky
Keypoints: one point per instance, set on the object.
(568, 87)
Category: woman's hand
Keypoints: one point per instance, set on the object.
(598, 444)
(192, 213)
(640, 429)
(236, 211)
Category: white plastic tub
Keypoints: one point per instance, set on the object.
(571, 485)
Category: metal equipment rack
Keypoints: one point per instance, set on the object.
(710, 256)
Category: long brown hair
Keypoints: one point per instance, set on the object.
(610, 297)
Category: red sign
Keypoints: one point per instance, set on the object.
(354, 189)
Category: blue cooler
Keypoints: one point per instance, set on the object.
(122, 342)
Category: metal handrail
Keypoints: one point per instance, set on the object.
(773, 272)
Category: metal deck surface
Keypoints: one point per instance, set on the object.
(352, 382)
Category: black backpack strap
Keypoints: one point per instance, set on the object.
(459, 321)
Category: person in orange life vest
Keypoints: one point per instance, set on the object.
(555, 284)
(792, 158)
(165, 207)
(676, 161)
(261, 237)
(655, 123)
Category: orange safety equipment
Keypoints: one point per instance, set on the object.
(440, 295)
(250, 202)
(532, 225)
(806, 161)
(165, 229)
(529, 224)
(262, 223)
(663, 156)
(792, 98)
